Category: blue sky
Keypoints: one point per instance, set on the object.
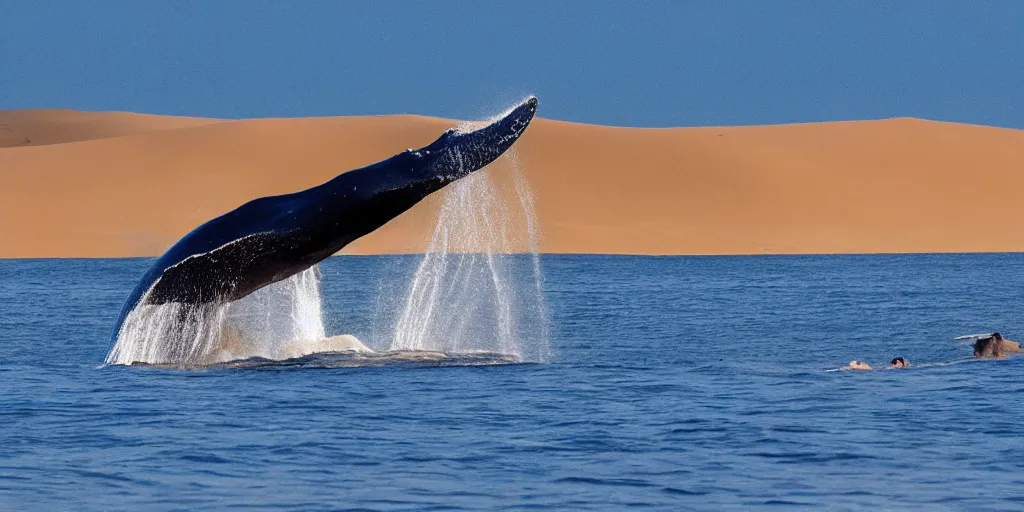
(636, 63)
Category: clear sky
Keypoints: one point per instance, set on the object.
(630, 63)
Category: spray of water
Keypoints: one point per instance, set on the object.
(541, 348)
(469, 292)
(272, 323)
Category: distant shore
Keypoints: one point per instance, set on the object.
(113, 184)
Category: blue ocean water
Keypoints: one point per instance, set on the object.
(675, 383)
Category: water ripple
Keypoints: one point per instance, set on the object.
(677, 384)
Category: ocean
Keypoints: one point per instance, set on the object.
(667, 383)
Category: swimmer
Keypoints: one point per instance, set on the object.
(897, 362)
(995, 347)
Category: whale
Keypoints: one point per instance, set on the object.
(270, 239)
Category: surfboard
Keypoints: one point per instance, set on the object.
(973, 337)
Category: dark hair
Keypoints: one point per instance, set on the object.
(987, 347)
(997, 336)
(898, 360)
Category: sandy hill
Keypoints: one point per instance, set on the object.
(121, 184)
(42, 127)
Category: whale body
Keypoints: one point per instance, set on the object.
(273, 238)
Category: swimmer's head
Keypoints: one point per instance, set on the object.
(991, 346)
(898, 362)
(986, 347)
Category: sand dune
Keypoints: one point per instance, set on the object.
(79, 184)
(43, 127)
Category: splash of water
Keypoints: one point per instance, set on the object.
(271, 323)
(541, 349)
(468, 293)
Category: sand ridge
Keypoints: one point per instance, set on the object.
(44, 127)
(117, 184)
